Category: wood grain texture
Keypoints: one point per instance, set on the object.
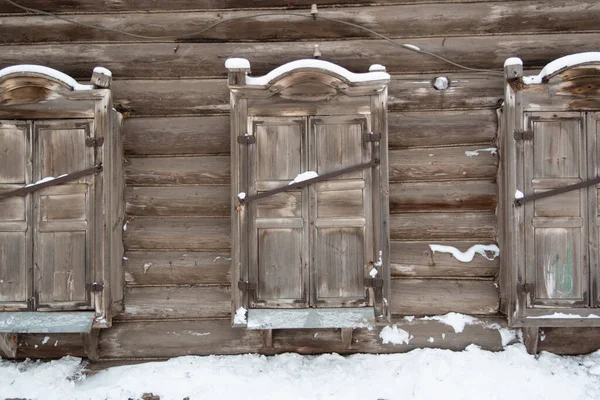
(175, 201)
(185, 135)
(435, 297)
(177, 170)
(208, 134)
(569, 341)
(443, 196)
(443, 163)
(176, 302)
(209, 96)
(404, 21)
(183, 233)
(204, 337)
(194, 60)
(440, 226)
(32, 345)
(176, 268)
(441, 128)
(415, 259)
(77, 6)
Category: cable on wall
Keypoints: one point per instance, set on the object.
(313, 15)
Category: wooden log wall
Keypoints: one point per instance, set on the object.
(173, 92)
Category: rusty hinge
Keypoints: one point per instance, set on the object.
(374, 282)
(371, 137)
(246, 139)
(246, 286)
(94, 142)
(94, 287)
(523, 135)
(525, 288)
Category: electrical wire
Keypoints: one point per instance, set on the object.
(200, 32)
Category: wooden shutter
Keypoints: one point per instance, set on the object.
(278, 232)
(15, 236)
(593, 133)
(63, 215)
(341, 223)
(556, 231)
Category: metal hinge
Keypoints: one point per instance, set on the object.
(246, 139)
(523, 135)
(246, 286)
(374, 282)
(525, 288)
(94, 287)
(371, 137)
(94, 142)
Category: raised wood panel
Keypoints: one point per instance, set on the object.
(439, 226)
(176, 302)
(443, 163)
(185, 135)
(394, 21)
(561, 340)
(175, 201)
(443, 196)
(425, 129)
(204, 337)
(151, 60)
(434, 297)
(183, 233)
(415, 259)
(212, 170)
(176, 268)
(210, 96)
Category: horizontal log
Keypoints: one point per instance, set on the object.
(211, 96)
(441, 128)
(165, 339)
(210, 134)
(443, 163)
(81, 6)
(176, 268)
(176, 302)
(160, 60)
(443, 226)
(560, 340)
(416, 260)
(185, 135)
(456, 19)
(177, 170)
(443, 196)
(433, 297)
(186, 233)
(439, 164)
(210, 201)
(50, 345)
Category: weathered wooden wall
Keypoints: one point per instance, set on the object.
(173, 91)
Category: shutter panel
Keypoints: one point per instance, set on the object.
(556, 227)
(278, 233)
(15, 239)
(593, 127)
(63, 215)
(340, 212)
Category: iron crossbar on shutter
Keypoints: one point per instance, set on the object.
(56, 181)
(554, 192)
(300, 185)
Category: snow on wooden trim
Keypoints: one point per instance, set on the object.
(325, 66)
(237, 63)
(561, 64)
(24, 69)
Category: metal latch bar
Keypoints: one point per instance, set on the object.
(246, 139)
(554, 192)
(300, 185)
(94, 287)
(371, 137)
(525, 288)
(246, 286)
(374, 282)
(56, 181)
(94, 142)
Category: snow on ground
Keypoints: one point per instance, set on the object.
(419, 374)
